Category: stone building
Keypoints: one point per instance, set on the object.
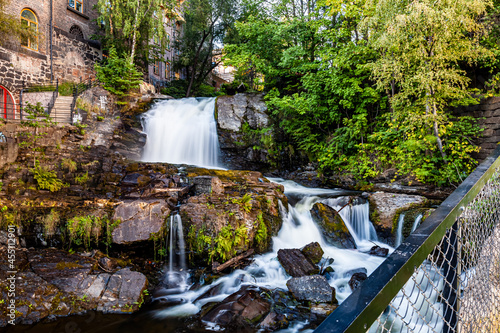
(160, 71)
(63, 50)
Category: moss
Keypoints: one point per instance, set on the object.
(67, 265)
(143, 180)
(132, 167)
(404, 209)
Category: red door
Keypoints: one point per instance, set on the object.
(6, 104)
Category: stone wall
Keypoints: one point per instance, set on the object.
(38, 97)
(488, 115)
(72, 59)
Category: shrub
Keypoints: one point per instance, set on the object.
(118, 75)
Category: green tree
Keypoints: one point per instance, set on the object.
(130, 26)
(422, 44)
(118, 75)
(207, 22)
(10, 25)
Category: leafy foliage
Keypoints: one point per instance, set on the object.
(118, 75)
(366, 85)
(47, 179)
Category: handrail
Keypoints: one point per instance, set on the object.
(79, 88)
(55, 94)
(360, 310)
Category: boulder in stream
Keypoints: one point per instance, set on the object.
(379, 251)
(313, 288)
(313, 252)
(356, 280)
(139, 219)
(385, 209)
(332, 226)
(246, 307)
(295, 263)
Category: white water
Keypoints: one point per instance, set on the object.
(418, 219)
(182, 131)
(399, 231)
(297, 231)
(357, 220)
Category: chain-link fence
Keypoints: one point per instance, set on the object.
(445, 277)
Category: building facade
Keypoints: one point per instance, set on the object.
(63, 50)
(160, 71)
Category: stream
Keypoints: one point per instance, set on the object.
(185, 132)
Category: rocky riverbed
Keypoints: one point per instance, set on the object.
(97, 240)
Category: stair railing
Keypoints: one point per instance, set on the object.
(78, 89)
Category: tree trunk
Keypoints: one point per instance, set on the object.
(436, 133)
(134, 38)
(195, 63)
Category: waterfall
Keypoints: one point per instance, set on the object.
(298, 230)
(417, 221)
(176, 278)
(182, 131)
(357, 220)
(176, 245)
(399, 231)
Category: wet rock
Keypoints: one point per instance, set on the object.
(207, 185)
(313, 288)
(313, 252)
(274, 321)
(135, 179)
(139, 219)
(295, 263)
(124, 292)
(54, 282)
(107, 264)
(332, 226)
(354, 271)
(386, 207)
(379, 251)
(356, 280)
(323, 310)
(64, 271)
(247, 307)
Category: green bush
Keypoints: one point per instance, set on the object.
(118, 75)
(66, 88)
(46, 179)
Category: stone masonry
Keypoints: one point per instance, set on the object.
(487, 114)
(73, 54)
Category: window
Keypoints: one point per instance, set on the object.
(6, 104)
(76, 5)
(156, 68)
(167, 39)
(167, 70)
(76, 31)
(28, 19)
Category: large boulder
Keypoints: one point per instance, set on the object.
(313, 252)
(240, 119)
(238, 208)
(332, 226)
(54, 282)
(246, 307)
(139, 220)
(313, 288)
(233, 111)
(385, 209)
(295, 263)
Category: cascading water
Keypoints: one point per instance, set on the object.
(182, 131)
(399, 231)
(418, 219)
(298, 230)
(357, 221)
(175, 281)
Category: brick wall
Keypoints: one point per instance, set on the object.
(73, 57)
(489, 109)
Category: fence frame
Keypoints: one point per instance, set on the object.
(362, 308)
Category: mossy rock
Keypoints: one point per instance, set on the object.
(332, 226)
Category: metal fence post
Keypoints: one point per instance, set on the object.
(21, 104)
(451, 278)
